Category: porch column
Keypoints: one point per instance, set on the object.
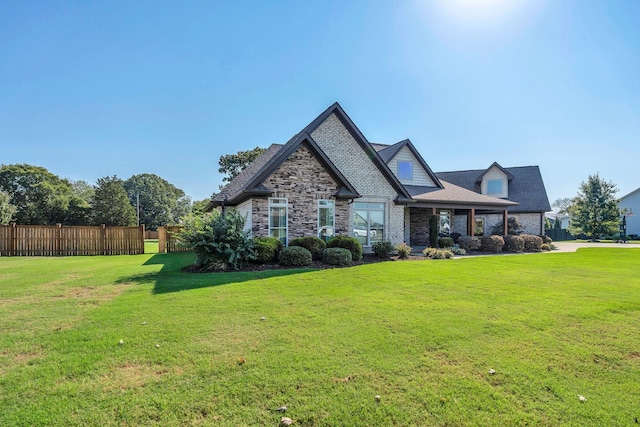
(505, 222)
(471, 222)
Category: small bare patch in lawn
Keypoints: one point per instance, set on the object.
(131, 375)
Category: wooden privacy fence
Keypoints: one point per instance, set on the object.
(167, 241)
(58, 240)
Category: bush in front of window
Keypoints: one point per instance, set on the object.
(295, 256)
(310, 243)
(267, 249)
(491, 243)
(345, 242)
(532, 243)
(383, 249)
(337, 256)
(469, 243)
(403, 250)
(218, 240)
(513, 243)
(513, 227)
(445, 242)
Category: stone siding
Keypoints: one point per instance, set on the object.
(303, 181)
(354, 163)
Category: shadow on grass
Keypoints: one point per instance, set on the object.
(171, 278)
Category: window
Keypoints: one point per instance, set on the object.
(478, 229)
(326, 219)
(405, 170)
(368, 222)
(445, 223)
(494, 186)
(278, 219)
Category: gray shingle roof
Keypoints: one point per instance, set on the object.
(456, 196)
(526, 188)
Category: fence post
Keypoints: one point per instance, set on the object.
(12, 240)
(142, 237)
(162, 239)
(102, 241)
(58, 246)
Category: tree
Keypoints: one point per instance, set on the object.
(563, 205)
(111, 204)
(513, 227)
(232, 164)
(40, 197)
(594, 211)
(7, 210)
(198, 207)
(80, 212)
(161, 203)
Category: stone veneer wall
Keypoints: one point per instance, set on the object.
(347, 155)
(303, 181)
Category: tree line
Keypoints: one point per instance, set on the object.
(31, 195)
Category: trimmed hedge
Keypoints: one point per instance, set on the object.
(469, 243)
(310, 243)
(383, 249)
(267, 249)
(513, 243)
(445, 242)
(491, 243)
(532, 243)
(337, 256)
(295, 256)
(345, 242)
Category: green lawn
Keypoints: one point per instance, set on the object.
(421, 334)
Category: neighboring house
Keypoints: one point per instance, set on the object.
(631, 202)
(564, 220)
(329, 180)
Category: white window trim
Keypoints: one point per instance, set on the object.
(279, 205)
(385, 225)
(333, 208)
(411, 175)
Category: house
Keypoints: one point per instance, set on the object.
(630, 206)
(558, 220)
(328, 179)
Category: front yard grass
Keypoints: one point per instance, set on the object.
(420, 334)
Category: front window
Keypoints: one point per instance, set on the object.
(494, 186)
(445, 223)
(368, 222)
(326, 219)
(278, 219)
(405, 170)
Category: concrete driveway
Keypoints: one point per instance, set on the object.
(573, 246)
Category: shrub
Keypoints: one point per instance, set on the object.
(513, 227)
(546, 247)
(310, 243)
(337, 256)
(491, 243)
(345, 242)
(457, 250)
(546, 239)
(513, 243)
(469, 243)
(403, 250)
(532, 243)
(435, 253)
(295, 256)
(445, 242)
(383, 249)
(455, 237)
(267, 249)
(218, 240)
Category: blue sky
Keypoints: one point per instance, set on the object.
(91, 89)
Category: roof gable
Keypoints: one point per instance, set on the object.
(391, 152)
(494, 165)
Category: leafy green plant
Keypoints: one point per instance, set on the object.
(295, 256)
(491, 243)
(457, 250)
(383, 249)
(267, 249)
(445, 242)
(218, 240)
(513, 227)
(345, 242)
(337, 256)
(403, 250)
(513, 243)
(469, 243)
(311, 243)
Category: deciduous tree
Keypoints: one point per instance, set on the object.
(7, 210)
(161, 203)
(232, 164)
(111, 204)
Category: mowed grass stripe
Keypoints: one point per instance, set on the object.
(422, 335)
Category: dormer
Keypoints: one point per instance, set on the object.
(494, 181)
(408, 166)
